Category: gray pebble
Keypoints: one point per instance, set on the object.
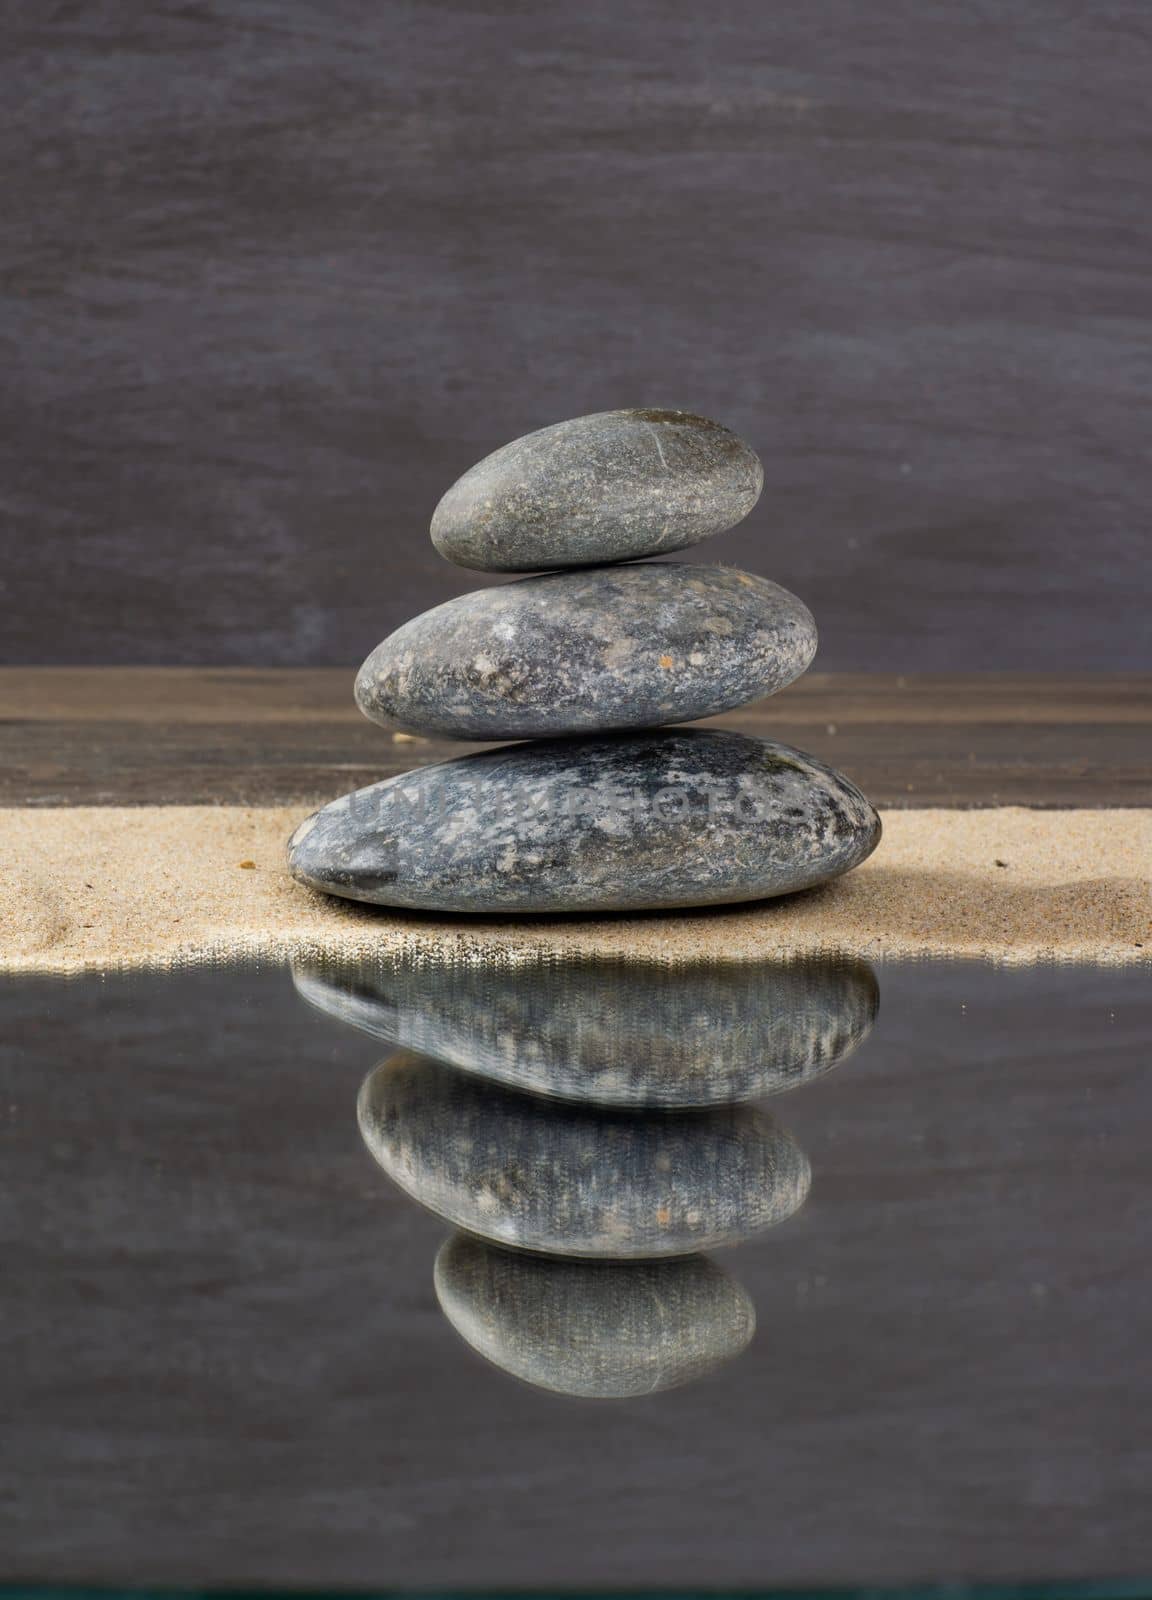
(577, 652)
(603, 1330)
(623, 822)
(572, 1180)
(608, 487)
(609, 1031)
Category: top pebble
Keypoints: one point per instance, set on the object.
(611, 487)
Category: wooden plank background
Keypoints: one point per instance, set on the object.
(181, 736)
(274, 272)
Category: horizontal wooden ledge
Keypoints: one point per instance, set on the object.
(242, 736)
(251, 695)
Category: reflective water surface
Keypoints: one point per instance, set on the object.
(443, 1273)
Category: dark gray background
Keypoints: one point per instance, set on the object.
(274, 273)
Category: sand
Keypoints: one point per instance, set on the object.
(90, 888)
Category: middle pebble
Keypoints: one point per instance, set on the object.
(571, 652)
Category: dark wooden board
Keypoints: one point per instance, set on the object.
(109, 736)
(273, 273)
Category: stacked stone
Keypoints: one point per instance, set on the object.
(606, 807)
(590, 1127)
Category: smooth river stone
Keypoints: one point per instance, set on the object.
(608, 487)
(613, 1031)
(581, 652)
(604, 1330)
(624, 822)
(569, 1180)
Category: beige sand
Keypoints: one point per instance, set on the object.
(94, 887)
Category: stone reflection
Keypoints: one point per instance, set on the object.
(597, 1329)
(578, 1180)
(590, 1126)
(612, 1032)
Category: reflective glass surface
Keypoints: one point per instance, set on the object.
(577, 1275)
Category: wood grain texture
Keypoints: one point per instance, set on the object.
(273, 274)
(116, 736)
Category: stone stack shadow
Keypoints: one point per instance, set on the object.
(591, 1129)
(608, 805)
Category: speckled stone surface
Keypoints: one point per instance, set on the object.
(541, 1174)
(623, 822)
(614, 1032)
(608, 487)
(604, 1330)
(575, 652)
